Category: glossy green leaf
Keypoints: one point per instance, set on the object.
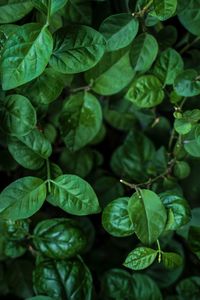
(59, 279)
(148, 215)
(171, 260)
(77, 49)
(140, 258)
(119, 30)
(189, 15)
(178, 210)
(14, 10)
(187, 84)
(30, 150)
(168, 65)
(143, 52)
(25, 55)
(164, 9)
(146, 91)
(59, 238)
(112, 65)
(22, 198)
(74, 195)
(115, 218)
(17, 114)
(80, 120)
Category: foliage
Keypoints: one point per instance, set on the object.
(99, 149)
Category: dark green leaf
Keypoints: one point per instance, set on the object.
(171, 260)
(186, 84)
(14, 10)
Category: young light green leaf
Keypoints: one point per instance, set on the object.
(148, 215)
(80, 120)
(59, 238)
(77, 49)
(17, 114)
(30, 150)
(74, 195)
(187, 84)
(146, 91)
(168, 65)
(63, 279)
(140, 258)
(25, 55)
(112, 65)
(115, 218)
(171, 260)
(143, 52)
(164, 9)
(14, 10)
(182, 126)
(22, 198)
(119, 30)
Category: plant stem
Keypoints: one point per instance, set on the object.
(48, 175)
(189, 45)
(141, 12)
(159, 251)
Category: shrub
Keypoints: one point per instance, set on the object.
(100, 149)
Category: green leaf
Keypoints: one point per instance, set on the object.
(186, 84)
(190, 142)
(143, 52)
(181, 169)
(168, 65)
(171, 260)
(178, 208)
(30, 150)
(119, 30)
(133, 160)
(140, 258)
(14, 10)
(65, 279)
(59, 238)
(115, 218)
(193, 240)
(17, 114)
(40, 298)
(146, 91)
(189, 15)
(25, 55)
(79, 12)
(117, 284)
(46, 88)
(164, 9)
(22, 198)
(182, 126)
(74, 195)
(112, 65)
(80, 120)
(53, 6)
(148, 215)
(77, 49)
(189, 288)
(145, 288)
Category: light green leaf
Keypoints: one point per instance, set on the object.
(191, 142)
(115, 218)
(119, 30)
(59, 238)
(146, 91)
(30, 150)
(148, 215)
(182, 126)
(112, 65)
(140, 258)
(187, 84)
(14, 10)
(171, 260)
(25, 55)
(17, 114)
(77, 49)
(164, 9)
(74, 195)
(168, 65)
(143, 52)
(189, 15)
(80, 120)
(22, 198)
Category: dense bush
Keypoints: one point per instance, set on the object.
(100, 149)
